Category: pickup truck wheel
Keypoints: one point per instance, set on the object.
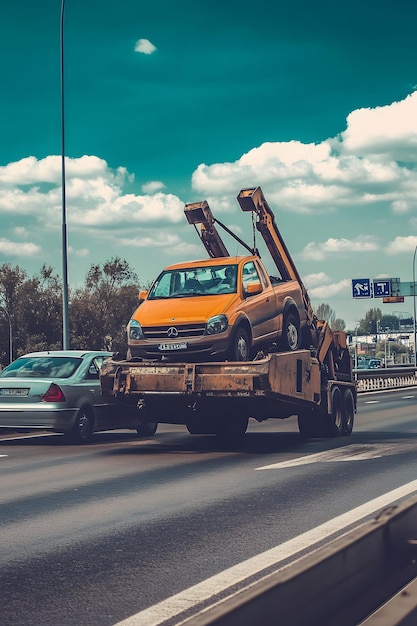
(83, 429)
(348, 412)
(240, 348)
(291, 335)
(146, 429)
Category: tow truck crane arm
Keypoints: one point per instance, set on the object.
(252, 199)
(200, 213)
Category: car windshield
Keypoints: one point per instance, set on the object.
(42, 367)
(204, 281)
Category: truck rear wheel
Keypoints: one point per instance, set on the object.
(312, 425)
(348, 412)
(322, 424)
(334, 419)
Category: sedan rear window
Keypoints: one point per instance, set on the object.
(42, 367)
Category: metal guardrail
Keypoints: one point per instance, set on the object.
(389, 378)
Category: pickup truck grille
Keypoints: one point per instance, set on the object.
(161, 332)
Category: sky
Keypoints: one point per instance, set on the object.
(167, 103)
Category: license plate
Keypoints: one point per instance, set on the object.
(14, 392)
(172, 346)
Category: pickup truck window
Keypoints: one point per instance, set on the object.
(250, 274)
(204, 281)
(263, 275)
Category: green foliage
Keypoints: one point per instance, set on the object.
(374, 321)
(31, 309)
(326, 313)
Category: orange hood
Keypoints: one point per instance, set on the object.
(195, 309)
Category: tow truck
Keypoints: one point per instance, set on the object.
(218, 397)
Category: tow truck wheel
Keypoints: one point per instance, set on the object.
(240, 348)
(335, 418)
(230, 429)
(291, 335)
(348, 412)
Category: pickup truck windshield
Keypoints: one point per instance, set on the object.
(204, 281)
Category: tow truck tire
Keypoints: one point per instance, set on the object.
(146, 429)
(348, 412)
(336, 416)
(291, 334)
(240, 349)
(309, 425)
(230, 429)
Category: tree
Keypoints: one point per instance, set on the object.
(11, 280)
(326, 313)
(40, 312)
(100, 311)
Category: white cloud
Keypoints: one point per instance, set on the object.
(170, 244)
(94, 194)
(18, 249)
(401, 245)
(21, 231)
(372, 163)
(82, 252)
(333, 246)
(318, 278)
(332, 289)
(152, 186)
(144, 46)
(389, 131)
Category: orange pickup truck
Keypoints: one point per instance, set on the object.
(223, 308)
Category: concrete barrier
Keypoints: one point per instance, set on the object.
(366, 577)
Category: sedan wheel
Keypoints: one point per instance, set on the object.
(147, 429)
(83, 429)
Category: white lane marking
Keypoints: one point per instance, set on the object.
(4, 455)
(372, 401)
(17, 437)
(354, 452)
(175, 605)
(407, 397)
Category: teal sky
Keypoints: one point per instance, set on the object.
(168, 103)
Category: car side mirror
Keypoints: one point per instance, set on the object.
(142, 295)
(253, 288)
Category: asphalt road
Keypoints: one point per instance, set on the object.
(95, 534)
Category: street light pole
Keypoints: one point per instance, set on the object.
(65, 322)
(414, 301)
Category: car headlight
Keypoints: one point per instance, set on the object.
(135, 330)
(217, 324)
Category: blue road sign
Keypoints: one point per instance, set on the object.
(382, 288)
(361, 288)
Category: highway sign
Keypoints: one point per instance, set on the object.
(361, 288)
(382, 288)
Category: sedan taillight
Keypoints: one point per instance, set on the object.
(54, 394)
